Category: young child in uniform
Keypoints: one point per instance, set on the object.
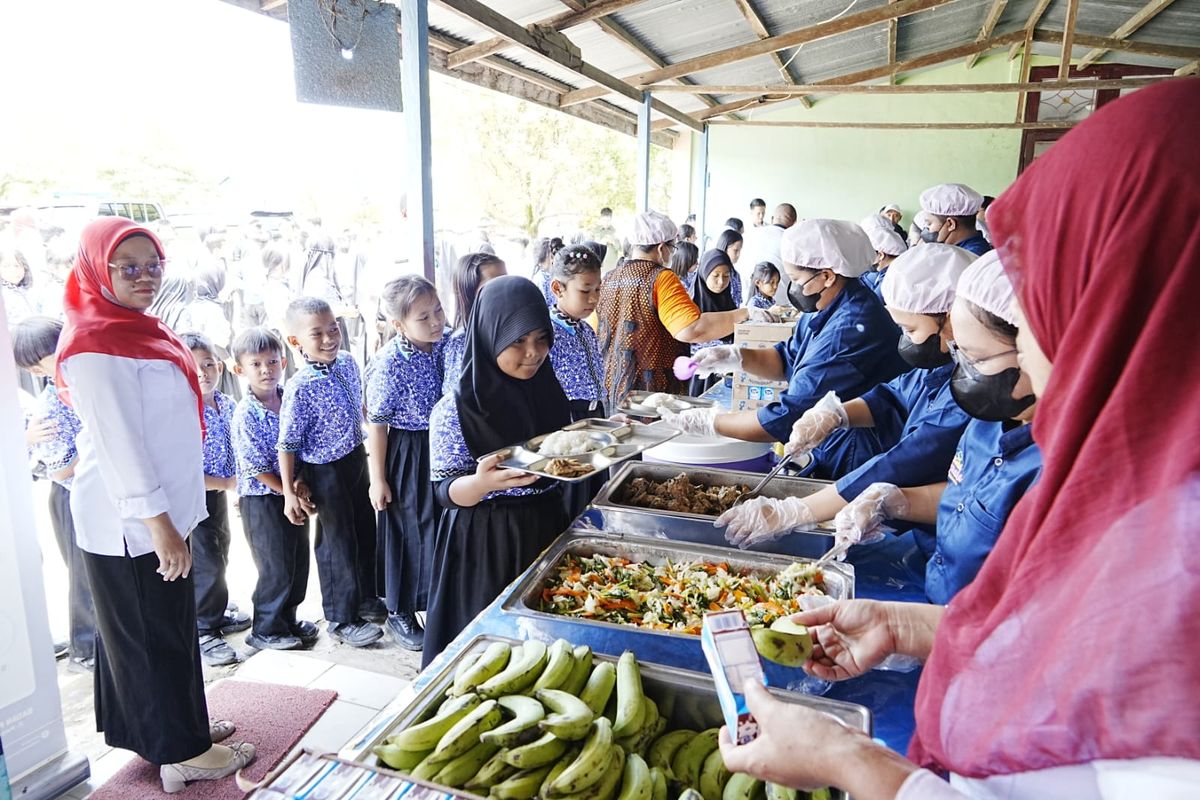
(278, 546)
(50, 433)
(404, 381)
(712, 291)
(766, 283)
(470, 274)
(497, 520)
(320, 440)
(210, 539)
(544, 252)
(575, 283)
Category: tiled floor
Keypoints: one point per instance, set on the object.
(361, 695)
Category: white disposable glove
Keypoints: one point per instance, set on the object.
(764, 519)
(719, 358)
(761, 315)
(861, 521)
(693, 421)
(815, 425)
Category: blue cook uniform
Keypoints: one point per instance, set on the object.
(847, 347)
(917, 419)
(873, 280)
(976, 244)
(992, 469)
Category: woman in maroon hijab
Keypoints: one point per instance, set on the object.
(1068, 669)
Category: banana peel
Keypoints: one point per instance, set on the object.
(784, 642)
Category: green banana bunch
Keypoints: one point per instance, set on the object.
(593, 761)
(522, 786)
(560, 663)
(631, 706)
(582, 656)
(742, 787)
(543, 752)
(523, 669)
(571, 720)
(462, 769)
(653, 726)
(713, 776)
(663, 751)
(522, 728)
(425, 735)
(606, 787)
(690, 794)
(559, 767)
(427, 770)
(493, 660)
(659, 779)
(636, 783)
(491, 773)
(396, 758)
(599, 687)
(777, 792)
(689, 759)
(466, 732)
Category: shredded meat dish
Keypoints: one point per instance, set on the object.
(567, 468)
(680, 495)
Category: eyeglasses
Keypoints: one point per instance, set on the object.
(131, 272)
(962, 358)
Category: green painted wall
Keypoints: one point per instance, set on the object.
(848, 174)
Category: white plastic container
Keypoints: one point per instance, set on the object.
(709, 451)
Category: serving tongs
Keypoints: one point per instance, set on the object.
(757, 490)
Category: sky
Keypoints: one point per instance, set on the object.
(197, 79)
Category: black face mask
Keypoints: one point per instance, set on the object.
(807, 303)
(926, 355)
(988, 397)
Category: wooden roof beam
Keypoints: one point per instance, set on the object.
(1179, 52)
(1068, 41)
(271, 5)
(918, 88)
(893, 32)
(989, 25)
(784, 41)
(1188, 69)
(1031, 23)
(755, 20)
(901, 126)
(593, 12)
(558, 49)
(1131, 25)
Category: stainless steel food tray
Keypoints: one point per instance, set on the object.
(630, 408)
(525, 598)
(618, 517)
(630, 440)
(687, 699)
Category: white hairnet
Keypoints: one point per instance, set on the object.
(890, 207)
(922, 219)
(652, 228)
(986, 285)
(951, 200)
(924, 279)
(827, 244)
(883, 235)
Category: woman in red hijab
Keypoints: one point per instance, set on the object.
(138, 492)
(1068, 668)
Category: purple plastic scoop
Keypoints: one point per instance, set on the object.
(685, 368)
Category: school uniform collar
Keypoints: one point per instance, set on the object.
(318, 367)
(407, 348)
(1016, 440)
(562, 320)
(257, 405)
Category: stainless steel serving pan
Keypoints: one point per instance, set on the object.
(526, 597)
(632, 406)
(681, 526)
(687, 699)
(622, 441)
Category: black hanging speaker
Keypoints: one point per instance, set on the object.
(346, 53)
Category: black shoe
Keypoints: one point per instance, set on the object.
(234, 622)
(61, 649)
(276, 642)
(216, 652)
(307, 632)
(373, 610)
(356, 634)
(406, 630)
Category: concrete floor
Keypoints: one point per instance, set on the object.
(366, 679)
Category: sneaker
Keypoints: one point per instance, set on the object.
(216, 652)
(276, 642)
(406, 630)
(307, 632)
(61, 649)
(234, 622)
(373, 610)
(356, 634)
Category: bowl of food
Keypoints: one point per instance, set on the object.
(564, 444)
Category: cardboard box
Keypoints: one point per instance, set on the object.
(750, 392)
(763, 332)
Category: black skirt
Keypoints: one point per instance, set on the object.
(480, 550)
(149, 688)
(408, 526)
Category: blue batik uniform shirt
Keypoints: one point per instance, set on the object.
(575, 356)
(991, 470)
(321, 419)
(403, 384)
(255, 444)
(847, 347)
(452, 359)
(218, 437)
(58, 452)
